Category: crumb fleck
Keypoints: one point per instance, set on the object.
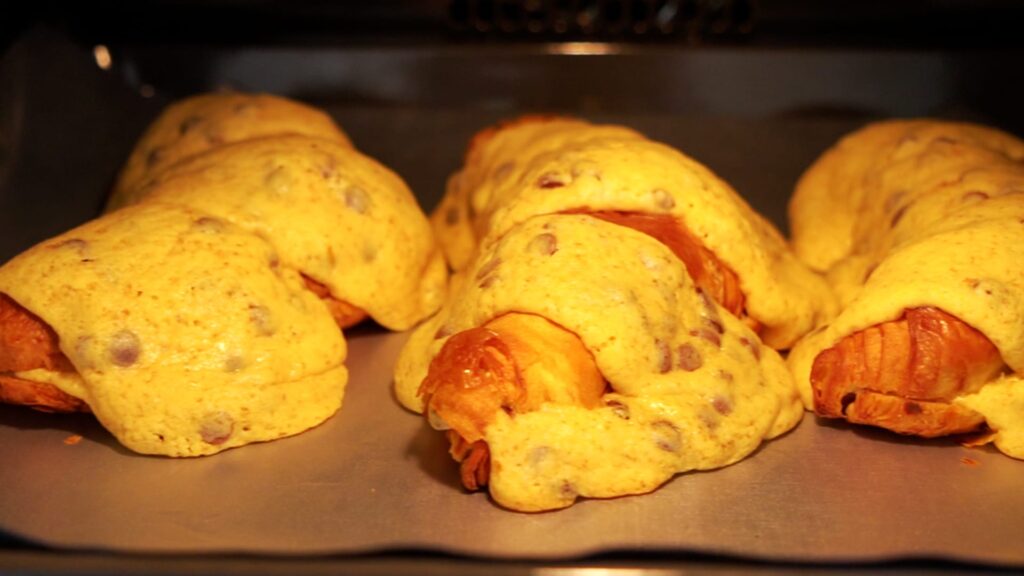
(451, 217)
(618, 408)
(550, 180)
(663, 199)
(504, 170)
(545, 244)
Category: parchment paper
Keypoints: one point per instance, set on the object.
(375, 478)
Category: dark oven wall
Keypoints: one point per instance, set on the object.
(753, 89)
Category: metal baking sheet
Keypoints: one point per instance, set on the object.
(375, 478)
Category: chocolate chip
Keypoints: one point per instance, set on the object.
(722, 405)
(357, 199)
(709, 335)
(715, 325)
(705, 300)
(708, 418)
(538, 455)
(689, 357)
(550, 180)
(216, 428)
(753, 346)
(234, 363)
(710, 312)
(124, 348)
(488, 268)
(663, 356)
(545, 244)
(666, 436)
(663, 199)
(912, 408)
(261, 319)
(188, 124)
(209, 225)
(618, 408)
(487, 275)
(83, 347)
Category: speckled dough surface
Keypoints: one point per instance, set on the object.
(515, 225)
(639, 315)
(542, 167)
(199, 123)
(333, 213)
(186, 339)
(203, 290)
(922, 213)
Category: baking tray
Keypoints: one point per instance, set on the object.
(374, 480)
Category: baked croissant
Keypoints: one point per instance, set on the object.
(918, 226)
(604, 334)
(546, 165)
(200, 123)
(285, 236)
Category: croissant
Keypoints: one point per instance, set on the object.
(205, 313)
(603, 333)
(200, 123)
(917, 225)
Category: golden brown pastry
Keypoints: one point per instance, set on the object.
(918, 226)
(548, 165)
(194, 125)
(337, 216)
(903, 374)
(201, 123)
(177, 332)
(597, 342)
(520, 362)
